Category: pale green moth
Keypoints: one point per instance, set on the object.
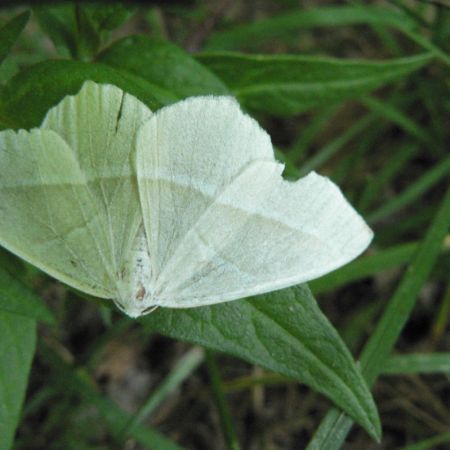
(181, 208)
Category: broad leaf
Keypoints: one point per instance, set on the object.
(10, 32)
(29, 95)
(17, 298)
(17, 343)
(284, 332)
(163, 64)
(287, 84)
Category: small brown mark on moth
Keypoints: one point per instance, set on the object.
(140, 294)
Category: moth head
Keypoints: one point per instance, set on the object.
(134, 299)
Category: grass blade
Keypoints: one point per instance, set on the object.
(10, 32)
(442, 316)
(329, 150)
(283, 24)
(417, 363)
(185, 366)
(307, 134)
(393, 114)
(430, 443)
(396, 164)
(219, 397)
(364, 267)
(67, 379)
(418, 188)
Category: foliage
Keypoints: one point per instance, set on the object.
(372, 122)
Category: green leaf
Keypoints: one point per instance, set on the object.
(87, 36)
(396, 116)
(364, 267)
(70, 28)
(10, 33)
(371, 193)
(187, 364)
(427, 444)
(163, 64)
(310, 132)
(414, 191)
(77, 30)
(255, 33)
(284, 332)
(29, 95)
(417, 363)
(108, 17)
(324, 154)
(69, 379)
(17, 344)
(287, 84)
(226, 420)
(17, 298)
(58, 22)
(284, 24)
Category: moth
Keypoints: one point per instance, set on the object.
(179, 208)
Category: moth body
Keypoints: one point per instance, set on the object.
(134, 285)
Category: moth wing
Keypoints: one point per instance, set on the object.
(262, 234)
(47, 213)
(221, 222)
(187, 154)
(100, 124)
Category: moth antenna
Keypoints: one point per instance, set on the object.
(150, 309)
